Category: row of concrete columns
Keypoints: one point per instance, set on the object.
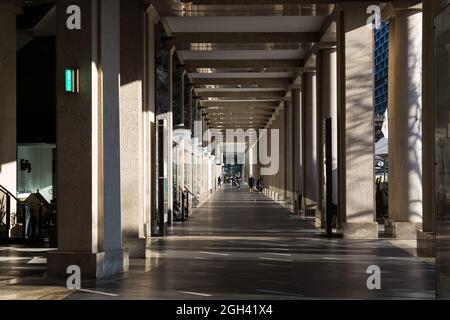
(106, 139)
(342, 88)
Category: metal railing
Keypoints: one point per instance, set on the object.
(5, 210)
(32, 228)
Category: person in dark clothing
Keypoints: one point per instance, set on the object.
(259, 185)
(219, 182)
(251, 183)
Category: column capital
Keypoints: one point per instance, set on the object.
(406, 4)
(327, 46)
(394, 8)
(11, 6)
(309, 71)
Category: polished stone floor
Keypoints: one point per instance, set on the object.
(242, 246)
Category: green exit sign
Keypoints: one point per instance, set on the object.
(72, 80)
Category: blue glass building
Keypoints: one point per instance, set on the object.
(381, 68)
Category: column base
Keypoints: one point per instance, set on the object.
(426, 244)
(360, 230)
(290, 201)
(292, 206)
(92, 265)
(318, 219)
(402, 230)
(135, 247)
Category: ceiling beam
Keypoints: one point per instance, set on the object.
(234, 120)
(242, 94)
(258, 111)
(240, 103)
(243, 81)
(251, 64)
(222, 128)
(238, 117)
(242, 37)
(249, 123)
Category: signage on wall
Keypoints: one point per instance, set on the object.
(72, 81)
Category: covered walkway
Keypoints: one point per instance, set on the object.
(150, 102)
(242, 246)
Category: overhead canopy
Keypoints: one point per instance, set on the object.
(381, 147)
(244, 58)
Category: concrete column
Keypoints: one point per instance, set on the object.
(282, 172)
(88, 136)
(279, 178)
(246, 166)
(311, 164)
(131, 128)
(329, 108)
(191, 98)
(270, 182)
(319, 212)
(297, 141)
(170, 138)
(182, 102)
(269, 179)
(275, 178)
(149, 122)
(303, 138)
(8, 75)
(110, 57)
(355, 122)
(289, 163)
(405, 124)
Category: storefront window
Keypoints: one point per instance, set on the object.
(36, 170)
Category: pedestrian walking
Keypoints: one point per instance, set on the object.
(259, 185)
(251, 183)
